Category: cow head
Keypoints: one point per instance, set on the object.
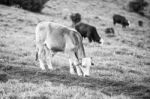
(81, 68)
(85, 66)
(75, 17)
(126, 23)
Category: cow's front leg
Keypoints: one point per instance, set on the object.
(77, 65)
(79, 71)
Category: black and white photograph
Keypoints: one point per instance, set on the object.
(74, 49)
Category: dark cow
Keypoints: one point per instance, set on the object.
(137, 6)
(120, 20)
(109, 30)
(88, 31)
(84, 29)
(140, 23)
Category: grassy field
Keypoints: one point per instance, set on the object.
(121, 65)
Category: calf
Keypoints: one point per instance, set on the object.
(52, 38)
(120, 20)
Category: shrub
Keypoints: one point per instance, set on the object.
(6, 2)
(137, 6)
(31, 5)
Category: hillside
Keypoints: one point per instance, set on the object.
(121, 65)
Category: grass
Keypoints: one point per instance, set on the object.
(46, 90)
(121, 65)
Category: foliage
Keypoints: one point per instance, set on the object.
(137, 6)
(31, 5)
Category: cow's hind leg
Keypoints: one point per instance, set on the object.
(49, 62)
(49, 56)
(42, 61)
(75, 65)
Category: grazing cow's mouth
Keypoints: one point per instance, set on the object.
(101, 41)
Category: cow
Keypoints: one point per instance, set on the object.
(88, 31)
(85, 29)
(140, 23)
(120, 20)
(138, 6)
(52, 38)
(110, 30)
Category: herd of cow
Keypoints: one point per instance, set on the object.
(53, 37)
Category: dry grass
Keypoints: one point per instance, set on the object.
(121, 69)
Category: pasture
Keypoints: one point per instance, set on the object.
(121, 65)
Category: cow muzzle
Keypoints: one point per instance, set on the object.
(85, 67)
(101, 41)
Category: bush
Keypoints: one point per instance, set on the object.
(6, 2)
(31, 5)
(137, 6)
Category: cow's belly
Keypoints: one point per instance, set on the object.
(56, 44)
(60, 43)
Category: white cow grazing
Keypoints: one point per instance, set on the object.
(52, 38)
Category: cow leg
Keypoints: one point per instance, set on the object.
(41, 55)
(75, 67)
(42, 65)
(89, 36)
(49, 61)
(114, 22)
(49, 56)
(90, 39)
(73, 61)
(79, 70)
(78, 65)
